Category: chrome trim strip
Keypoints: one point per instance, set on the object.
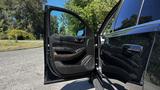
(142, 28)
(139, 15)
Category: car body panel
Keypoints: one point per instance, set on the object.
(142, 35)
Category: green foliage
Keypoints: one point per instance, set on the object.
(93, 11)
(22, 14)
(62, 30)
(54, 24)
(20, 34)
(71, 23)
(3, 36)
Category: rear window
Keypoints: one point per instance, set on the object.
(150, 11)
(128, 14)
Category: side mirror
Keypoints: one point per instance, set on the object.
(81, 33)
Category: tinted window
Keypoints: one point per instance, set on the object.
(110, 27)
(128, 14)
(150, 11)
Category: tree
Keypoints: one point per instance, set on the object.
(54, 24)
(62, 30)
(22, 14)
(30, 13)
(93, 11)
(6, 12)
(71, 23)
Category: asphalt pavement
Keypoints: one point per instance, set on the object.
(23, 70)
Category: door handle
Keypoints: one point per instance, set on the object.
(131, 49)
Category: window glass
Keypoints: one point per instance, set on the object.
(128, 14)
(150, 11)
(65, 24)
(109, 28)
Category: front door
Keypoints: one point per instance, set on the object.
(68, 45)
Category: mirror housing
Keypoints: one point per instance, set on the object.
(81, 33)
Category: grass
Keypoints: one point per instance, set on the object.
(10, 45)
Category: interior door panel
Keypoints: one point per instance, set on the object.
(69, 55)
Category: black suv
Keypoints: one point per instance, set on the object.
(125, 48)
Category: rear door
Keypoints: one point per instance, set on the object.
(68, 46)
(126, 51)
(151, 77)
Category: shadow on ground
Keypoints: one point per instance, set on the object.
(78, 85)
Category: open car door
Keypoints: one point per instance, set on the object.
(68, 46)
